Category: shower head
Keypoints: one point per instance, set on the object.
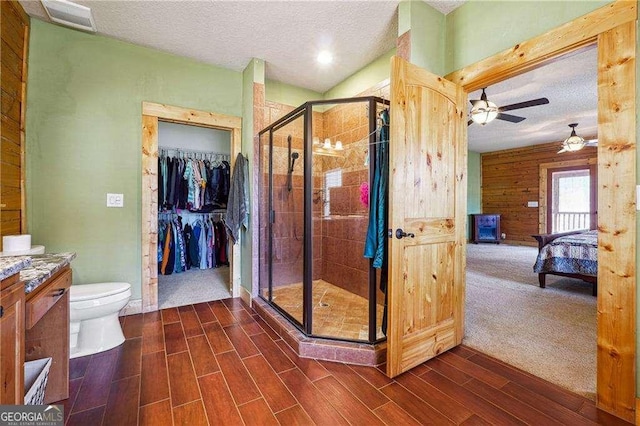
(292, 160)
(294, 157)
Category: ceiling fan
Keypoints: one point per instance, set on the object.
(574, 142)
(483, 111)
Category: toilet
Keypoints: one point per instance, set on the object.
(93, 312)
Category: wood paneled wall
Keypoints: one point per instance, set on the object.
(511, 178)
(14, 29)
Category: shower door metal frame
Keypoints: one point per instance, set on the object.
(287, 119)
(306, 111)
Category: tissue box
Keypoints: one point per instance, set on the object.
(16, 243)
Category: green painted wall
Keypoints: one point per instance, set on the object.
(364, 79)
(83, 139)
(287, 94)
(474, 183)
(427, 27)
(480, 28)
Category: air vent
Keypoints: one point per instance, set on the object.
(70, 14)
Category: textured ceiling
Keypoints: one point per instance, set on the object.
(570, 84)
(287, 34)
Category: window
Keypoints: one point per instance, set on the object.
(332, 179)
(572, 200)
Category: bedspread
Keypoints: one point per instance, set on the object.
(571, 254)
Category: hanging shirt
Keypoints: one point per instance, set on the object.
(376, 241)
(194, 249)
(210, 244)
(190, 177)
(167, 259)
(180, 260)
(202, 244)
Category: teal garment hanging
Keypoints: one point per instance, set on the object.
(376, 242)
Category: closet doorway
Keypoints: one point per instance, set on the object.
(214, 138)
(194, 177)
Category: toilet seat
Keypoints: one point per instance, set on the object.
(78, 293)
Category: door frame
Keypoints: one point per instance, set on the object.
(613, 29)
(151, 114)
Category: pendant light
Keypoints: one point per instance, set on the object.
(573, 142)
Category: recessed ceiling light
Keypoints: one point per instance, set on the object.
(325, 57)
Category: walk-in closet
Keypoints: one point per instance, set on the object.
(193, 189)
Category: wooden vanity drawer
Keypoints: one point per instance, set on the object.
(46, 297)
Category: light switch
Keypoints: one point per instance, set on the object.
(115, 200)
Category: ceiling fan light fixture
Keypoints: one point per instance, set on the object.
(574, 142)
(484, 112)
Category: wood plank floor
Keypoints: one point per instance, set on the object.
(218, 363)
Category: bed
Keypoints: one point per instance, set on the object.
(568, 254)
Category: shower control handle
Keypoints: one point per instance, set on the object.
(400, 234)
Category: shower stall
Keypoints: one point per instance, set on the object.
(317, 166)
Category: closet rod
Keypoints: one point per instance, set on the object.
(198, 151)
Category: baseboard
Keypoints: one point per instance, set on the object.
(133, 307)
(245, 295)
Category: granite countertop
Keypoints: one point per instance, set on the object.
(34, 269)
(43, 266)
(11, 265)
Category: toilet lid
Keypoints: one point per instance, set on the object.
(93, 291)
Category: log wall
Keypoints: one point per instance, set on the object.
(511, 178)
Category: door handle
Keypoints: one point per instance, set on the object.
(400, 234)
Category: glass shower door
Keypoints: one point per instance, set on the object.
(286, 221)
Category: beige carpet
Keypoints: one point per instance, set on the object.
(193, 286)
(550, 332)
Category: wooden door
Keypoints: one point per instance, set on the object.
(427, 200)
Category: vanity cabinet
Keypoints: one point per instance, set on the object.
(34, 325)
(12, 332)
(47, 331)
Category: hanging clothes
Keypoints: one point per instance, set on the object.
(193, 184)
(187, 234)
(221, 244)
(168, 259)
(237, 208)
(190, 181)
(194, 242)
(194, 247)
(376, 241)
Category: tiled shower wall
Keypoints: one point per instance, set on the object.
(344, 230)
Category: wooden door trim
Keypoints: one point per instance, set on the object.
(613, 29)
(151, 114)
(543, 195)
(545, 48)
